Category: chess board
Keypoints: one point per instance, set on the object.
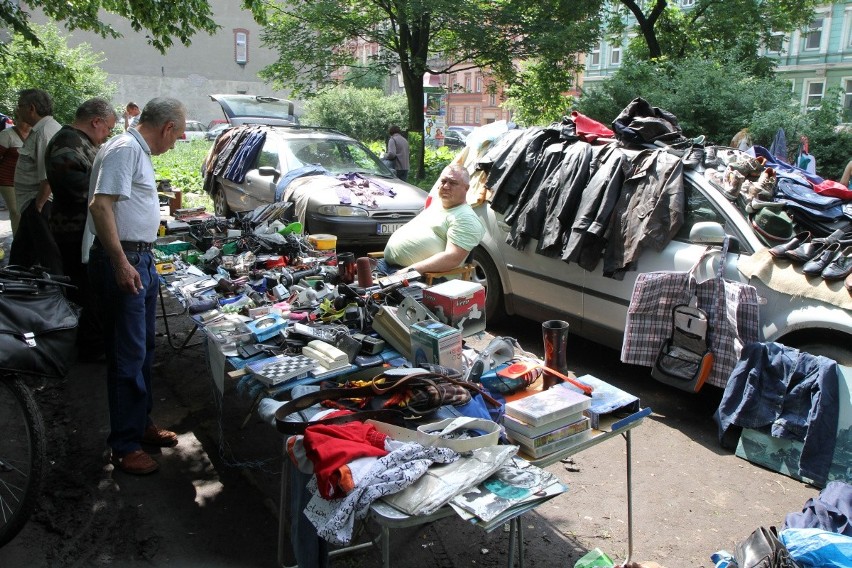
(282, 368)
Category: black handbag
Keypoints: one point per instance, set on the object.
(685, 359)
(38, 325)
(763, 549)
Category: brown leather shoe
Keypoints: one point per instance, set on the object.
(848, 283)
(154, 436)
(135, 463)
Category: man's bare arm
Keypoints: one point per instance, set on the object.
(449, 258)
(126, 275)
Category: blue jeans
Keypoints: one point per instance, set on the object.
(129, 324)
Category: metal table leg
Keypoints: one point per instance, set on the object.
(629, 498)
(166, 316)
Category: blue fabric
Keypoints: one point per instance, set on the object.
(814, 548)
(309, 549)
(781, 166)
(792, 392)
(830, 511)
(129, 325)
(797, 191)
(309, 170)
(245, 157)
(779, 145)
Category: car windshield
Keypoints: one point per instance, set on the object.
(337, 156)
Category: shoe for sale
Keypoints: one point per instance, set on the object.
(749, 167)
(807, 251)
(694, 157)
(821, 259)
(135, 463)
(840, 267)
(154, 436)
(711, 157)
(766, 184)
(732, 183)
(780, 251)
(848, 283)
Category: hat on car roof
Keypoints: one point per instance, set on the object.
(773, 225)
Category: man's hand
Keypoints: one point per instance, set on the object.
(127, 277)
(43, 195)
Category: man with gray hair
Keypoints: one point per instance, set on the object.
(125, 214)
(441, 236)
(32, 243)
(68, 161)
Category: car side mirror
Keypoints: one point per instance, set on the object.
(269, 171)
(712, 233)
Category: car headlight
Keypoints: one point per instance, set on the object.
(342, 211)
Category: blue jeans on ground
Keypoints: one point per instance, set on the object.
(129, 325)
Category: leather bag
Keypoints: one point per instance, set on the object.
(763, 549)
(38, 325)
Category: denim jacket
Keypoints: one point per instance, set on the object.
(795, 393)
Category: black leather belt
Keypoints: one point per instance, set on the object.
(129, 246)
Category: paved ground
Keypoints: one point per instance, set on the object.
(214, 502)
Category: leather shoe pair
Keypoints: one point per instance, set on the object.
(154, 436)
(780, 251)
(135, 463)
(807, 251)
(821, 259)
(840, 267)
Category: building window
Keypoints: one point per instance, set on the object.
(479, 83)
(454, 115)
(595, 56)
(687, 3)
(476, 115)
(452, 83)
(813, 94)
(467, 115)
(467, 84)
(615, 55)
(492, 100)
(776, 42)
(813, 39)
(241, 46)
(847, 100)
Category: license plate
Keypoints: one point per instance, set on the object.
(387, 228)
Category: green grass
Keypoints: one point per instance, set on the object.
(182, 166)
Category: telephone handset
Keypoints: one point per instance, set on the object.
(325, 354)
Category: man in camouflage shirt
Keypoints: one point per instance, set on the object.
(68, 161)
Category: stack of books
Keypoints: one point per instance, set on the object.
(548, 421)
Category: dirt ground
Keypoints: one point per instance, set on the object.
(214, 501)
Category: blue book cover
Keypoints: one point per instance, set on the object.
(606, 399)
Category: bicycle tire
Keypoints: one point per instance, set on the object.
(23, 455)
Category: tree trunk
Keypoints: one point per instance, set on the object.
(414, 93)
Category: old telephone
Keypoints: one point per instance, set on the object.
(325, 354)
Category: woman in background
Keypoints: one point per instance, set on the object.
(10, 140)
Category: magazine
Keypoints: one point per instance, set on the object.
(516, 483)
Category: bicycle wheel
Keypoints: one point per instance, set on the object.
(23, 449)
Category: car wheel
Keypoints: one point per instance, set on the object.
(220, 203)
(842, 355)
(486, 274)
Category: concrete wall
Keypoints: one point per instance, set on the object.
(190, 73)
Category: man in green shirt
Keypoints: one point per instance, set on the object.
(442, 235)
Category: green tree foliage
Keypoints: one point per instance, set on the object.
(369, 77)
(69, 75)
(163, 21)
(423, 37)
(709, 28)
(716, 98)
(827, 141)
(539, 97)
(363, 114)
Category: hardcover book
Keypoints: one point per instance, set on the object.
(549, 437)
(606, 399)
(524, 429)
(547, 406)
(562, 444)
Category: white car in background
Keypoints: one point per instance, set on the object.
(194, 131)
(528, 284)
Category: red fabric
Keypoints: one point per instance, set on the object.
(7, 167)
(330, 447)
(589, 129)
(831, 188)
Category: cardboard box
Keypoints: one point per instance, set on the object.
(435, 342)
(458, 303)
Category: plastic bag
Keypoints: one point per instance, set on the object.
(818, 548)
(594, 559)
